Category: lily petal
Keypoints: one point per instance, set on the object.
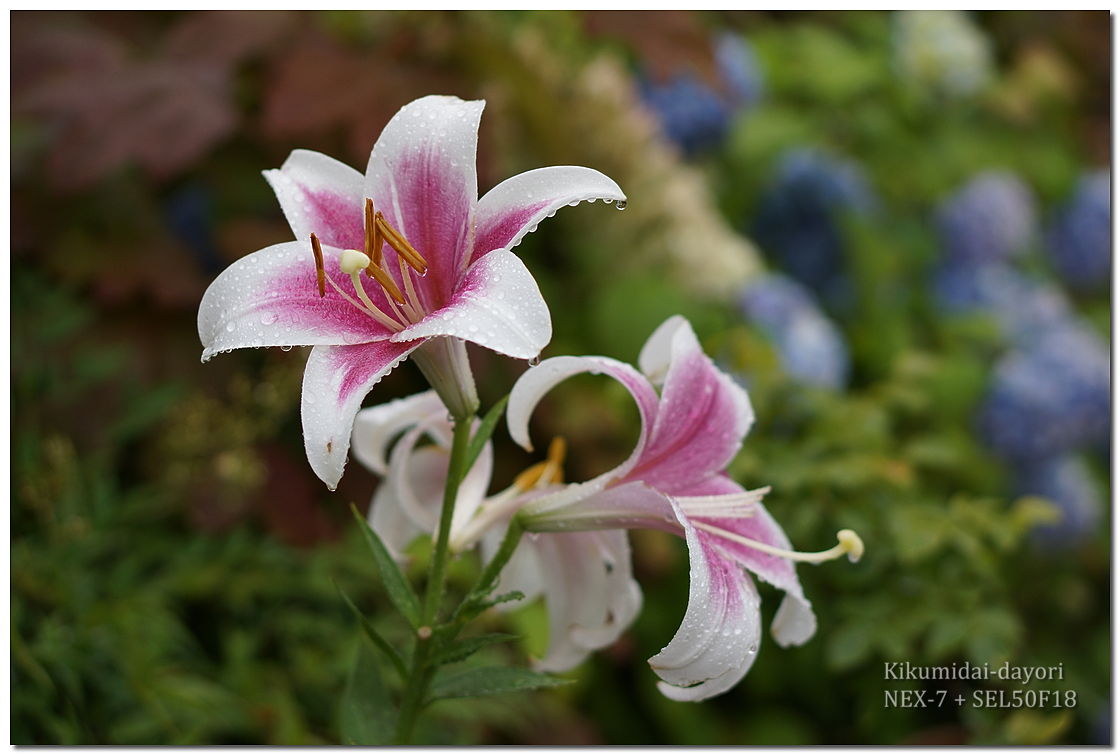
(624, 596)
(336, 380)
(701, 419)
(419, 475)
(498, 305)
(537, 381)
(718, 638)
(523, 573)
(386, 517)
(795, 621)
(271, 298)
(421, 175)
(581, 590)
(320, 195)
(375, 427)
(514, 207)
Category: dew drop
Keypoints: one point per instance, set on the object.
(286, 348)
(230, 327)
(534, 361)
(268, 318)
(753, 648)
(620, 204)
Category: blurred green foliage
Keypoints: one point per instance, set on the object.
(174, 563)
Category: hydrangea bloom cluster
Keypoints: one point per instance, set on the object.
(992, 218)
(1079, 240)
(1066, 482)
(1050, 396)
(942, 51)
(798, 219)
(1022, 305)
(696, 115)
(809, 344)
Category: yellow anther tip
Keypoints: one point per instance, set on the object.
(352, 261)
(852, 544)
(557, 449)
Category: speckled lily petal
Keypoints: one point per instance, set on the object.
(320, 195)
(336, 380)
(421, 175)
(498, 305)
(514, 207)
(271, 298)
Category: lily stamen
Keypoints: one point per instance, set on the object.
(373, 240)
(320, 269)
(848, 543)
(729, 506)
(386, 283)
(400, 244)
(352, 262)
(546, 472)
(541, 474)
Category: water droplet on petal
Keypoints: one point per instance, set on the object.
(753, 648)
(268, 318)
(620, 204)
(285, 348)
(535, 361)
(230, 327)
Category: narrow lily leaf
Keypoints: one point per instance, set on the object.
(485, 430)
(468, 646)
(477, 603)
(400, 591)
(375, 637)
(367, 716)
(492, 680)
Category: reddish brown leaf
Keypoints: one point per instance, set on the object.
(664, 41)
(107, 106)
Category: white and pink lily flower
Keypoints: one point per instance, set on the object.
(404, 260)
(585, 577)
(675, 481)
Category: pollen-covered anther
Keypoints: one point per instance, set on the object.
(400, 244)
(548, 472)
(320, 270)
(373, 238)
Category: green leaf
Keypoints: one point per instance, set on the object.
(491, 680)
(379, 642)
(465, 648)
(477, 603)
(485, 430)
(400, 591)
(368, 716)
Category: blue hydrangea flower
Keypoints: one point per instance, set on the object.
(696, 115)
(692, 114)
(1050, 396)
(1023, 306)
(1079, 240)
(798, 219)
(739, 69)
(809, 345)
(1067, 482)
(991, 219)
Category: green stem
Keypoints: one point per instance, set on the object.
(437, 573)
(420, 672)
(489, 574)
(418, 679)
